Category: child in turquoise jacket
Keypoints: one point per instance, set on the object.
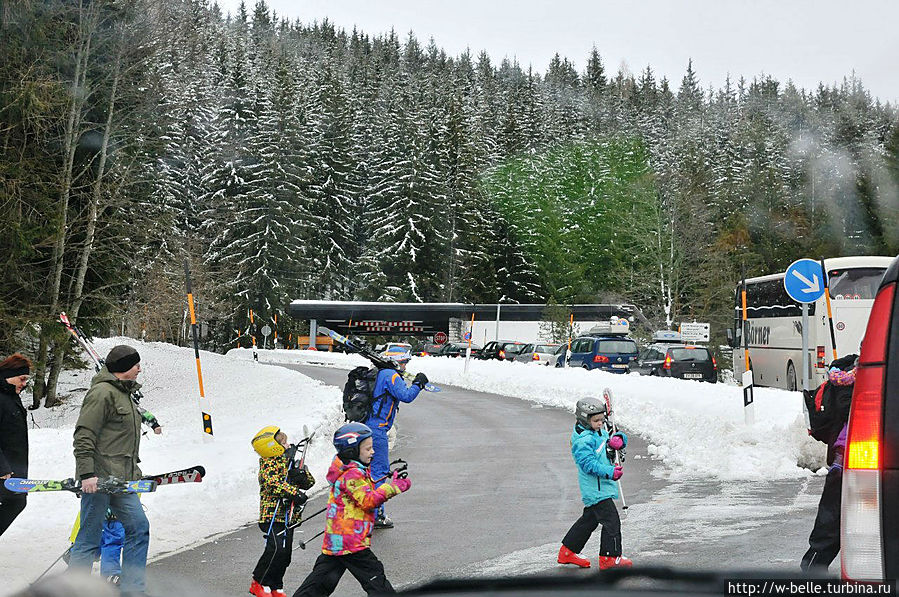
(597, 476)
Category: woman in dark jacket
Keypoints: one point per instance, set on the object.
(14, 372)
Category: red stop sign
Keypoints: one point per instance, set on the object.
(440, 337)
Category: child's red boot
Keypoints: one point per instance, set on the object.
(278, 593)
(566, 556)
(606, 562)
(259, 590)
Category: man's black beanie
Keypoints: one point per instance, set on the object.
(121, 358)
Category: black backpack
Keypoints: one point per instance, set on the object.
(828, 406)
(359, 393)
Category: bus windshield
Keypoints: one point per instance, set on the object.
(858, 283)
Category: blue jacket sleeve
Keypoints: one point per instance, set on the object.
(396, 387)
(589, 461)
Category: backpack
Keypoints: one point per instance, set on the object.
(828, 406)
(359, 393)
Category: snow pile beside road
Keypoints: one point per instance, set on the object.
(245, 397)
(696, 428)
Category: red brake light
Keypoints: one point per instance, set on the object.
(600, 359)
(667, 364)
(502, 354)
(820, 364)
(865, 433)
(536, 357)
(714, 363)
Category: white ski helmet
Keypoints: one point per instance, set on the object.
(586, 408)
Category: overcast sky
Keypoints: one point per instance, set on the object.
(803, 40)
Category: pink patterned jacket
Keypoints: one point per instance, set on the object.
(351, 507)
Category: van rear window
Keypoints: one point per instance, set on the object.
(617, 346)
(698, 355)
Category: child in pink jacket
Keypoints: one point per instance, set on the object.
(351, 518)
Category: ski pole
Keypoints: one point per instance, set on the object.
(310, 517)
(61, 556)
(304, 543)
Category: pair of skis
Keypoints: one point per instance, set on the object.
(376, 359)
(147, 484)
(81, 338)
(612, 428)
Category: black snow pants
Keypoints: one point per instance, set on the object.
(11, 505)
(603, 513)
(328, 570)
(824, 542)
(275, 559)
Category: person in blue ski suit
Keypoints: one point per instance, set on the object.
(390, 390)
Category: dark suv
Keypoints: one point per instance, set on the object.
(458, 349)
(676, 360)
(609, 353)
(500, 350)
(869, 529)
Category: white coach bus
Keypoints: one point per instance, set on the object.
(775, 322)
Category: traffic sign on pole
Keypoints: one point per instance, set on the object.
(804, 280)
(466, 336)
(440, 338)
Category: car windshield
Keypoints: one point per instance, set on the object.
(546, 348)
(698, 355)
(617, 346)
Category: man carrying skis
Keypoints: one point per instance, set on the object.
(390, 390)
(107, 441)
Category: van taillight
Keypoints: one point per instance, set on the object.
(502, 354)
(600, 359)
(714, 363)
(861, 536)
(667, 364)
(820, 364)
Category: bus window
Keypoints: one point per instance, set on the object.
(858, 283)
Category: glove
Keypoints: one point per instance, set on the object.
(299, 499)
(401, 483)
(617, 441)
(616, 474)
(300, 477)
(421, 380)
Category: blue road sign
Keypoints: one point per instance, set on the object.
(804, 280)
(467, 336)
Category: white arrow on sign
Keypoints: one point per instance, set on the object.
(811, 286)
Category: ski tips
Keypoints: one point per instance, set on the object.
(305, 430)
(324, 329)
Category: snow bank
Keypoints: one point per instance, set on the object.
(246, 396)
(697, 429)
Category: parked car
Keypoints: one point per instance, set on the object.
(500, 350)
(682, 361)
(869, 529)
(609, 353)
(457, 349)
(557, 358)
(429, 349)
(536, 353)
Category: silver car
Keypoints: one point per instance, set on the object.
(542, 354)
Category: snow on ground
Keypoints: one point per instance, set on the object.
(245, 397)
(697, 429)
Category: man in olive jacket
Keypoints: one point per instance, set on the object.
(107, 440)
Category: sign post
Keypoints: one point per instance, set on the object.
(468, 337)
(266, 332)
(746, 381)
(804, 282)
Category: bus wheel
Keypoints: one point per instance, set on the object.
(791, 377)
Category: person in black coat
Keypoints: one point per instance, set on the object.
(14, 373)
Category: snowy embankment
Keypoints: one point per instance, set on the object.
(697, 429)
(245, 397)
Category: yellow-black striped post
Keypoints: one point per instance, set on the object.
(206, 416)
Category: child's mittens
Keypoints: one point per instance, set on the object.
(402, 484)
(617, 441)
(616, 474)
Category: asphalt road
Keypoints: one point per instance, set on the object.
(494, 490)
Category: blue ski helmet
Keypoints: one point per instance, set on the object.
(350, 436)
